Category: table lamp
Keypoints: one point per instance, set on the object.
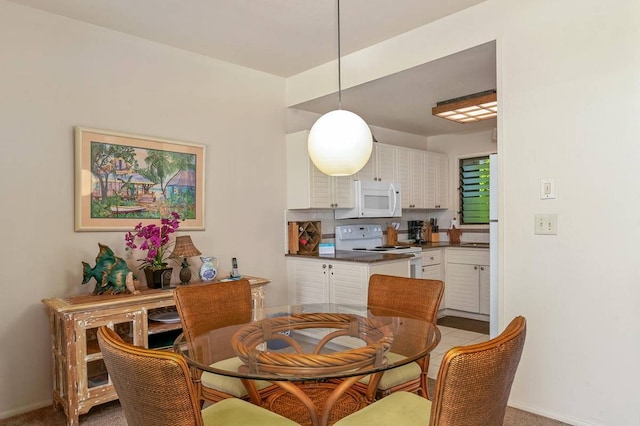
(184, 248)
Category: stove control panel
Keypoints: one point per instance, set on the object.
(358, 232)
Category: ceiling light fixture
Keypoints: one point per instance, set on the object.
(468, 109)
(340, 142)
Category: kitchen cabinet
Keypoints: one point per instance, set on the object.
(382, 165)
(80, 377)
(485, 299)
(467, 282)
(411, 176)
(307, 186)
(422, 175)
(343, 282)
(436, 180)
(432, 264)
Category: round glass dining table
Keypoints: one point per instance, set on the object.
(312, 353)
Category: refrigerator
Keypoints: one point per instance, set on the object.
(493, 245)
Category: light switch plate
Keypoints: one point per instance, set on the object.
(546, 224)
(547, 189)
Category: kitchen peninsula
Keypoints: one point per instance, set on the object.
(342, 277)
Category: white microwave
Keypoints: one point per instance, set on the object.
(373, 199)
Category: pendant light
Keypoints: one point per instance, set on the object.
(340, 142)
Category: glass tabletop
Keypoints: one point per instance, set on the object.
(311, 342)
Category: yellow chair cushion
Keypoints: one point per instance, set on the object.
(397, 409)
(398, 375)
(229, 385)
(233, 412)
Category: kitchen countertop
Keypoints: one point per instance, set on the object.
(426, 246)
(372, 257)
(356, 256)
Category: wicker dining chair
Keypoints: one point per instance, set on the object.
(472, 387)
(155, 388)
(205, 307)
(414, 296)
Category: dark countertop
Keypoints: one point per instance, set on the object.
(372, 257)
(356, 256)
(426, 246)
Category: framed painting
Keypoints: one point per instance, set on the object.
(123, 179)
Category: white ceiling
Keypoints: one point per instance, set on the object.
(285, 37)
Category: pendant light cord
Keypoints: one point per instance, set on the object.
(339, 72)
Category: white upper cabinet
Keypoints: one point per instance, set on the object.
(436, 181)
(381, 165)
(411, 175)
(422, 175)
(307, 186)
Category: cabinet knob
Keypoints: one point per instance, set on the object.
(431, 258)
(324, 266)
(475, 268)
(482, 268)
(330, 266)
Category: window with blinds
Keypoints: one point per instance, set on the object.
(474, 190)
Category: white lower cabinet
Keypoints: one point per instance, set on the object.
(342, 282)
(432, 264)
(484, 290)
(467, 280)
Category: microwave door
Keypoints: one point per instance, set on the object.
(376, 202)
(379, 202)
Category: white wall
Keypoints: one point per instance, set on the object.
(56, 73)
(569, 96)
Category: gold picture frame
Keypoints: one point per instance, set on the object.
(124, 179)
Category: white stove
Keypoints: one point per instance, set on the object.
(369, 238)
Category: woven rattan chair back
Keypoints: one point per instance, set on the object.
(205, 307)
(210, 306)
(154, 386)
(474, 382)
(416, 297)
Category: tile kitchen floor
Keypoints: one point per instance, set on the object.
(451, 337)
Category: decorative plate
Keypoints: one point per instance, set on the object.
(167, 317)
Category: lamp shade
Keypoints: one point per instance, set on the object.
(184, 248)
(340, 143)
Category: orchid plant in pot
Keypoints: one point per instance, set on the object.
(155, 240)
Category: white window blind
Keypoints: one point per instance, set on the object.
(474, 190)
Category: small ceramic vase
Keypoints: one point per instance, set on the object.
(209, 268)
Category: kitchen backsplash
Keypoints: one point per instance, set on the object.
(329, 223)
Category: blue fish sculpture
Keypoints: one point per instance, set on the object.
(111, 273)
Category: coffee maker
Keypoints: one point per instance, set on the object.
(416, 228)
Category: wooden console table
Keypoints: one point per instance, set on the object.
(80, 379)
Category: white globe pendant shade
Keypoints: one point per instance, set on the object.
(340, 143)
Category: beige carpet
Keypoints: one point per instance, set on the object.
(110, 414)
